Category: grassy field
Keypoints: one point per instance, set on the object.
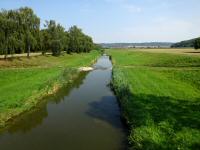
(24, 81)
(185, 51)
(48, 61)
(160, 98)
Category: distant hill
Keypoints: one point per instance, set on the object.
(136, 45)
(187, 43)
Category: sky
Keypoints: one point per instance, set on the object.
(108, 21)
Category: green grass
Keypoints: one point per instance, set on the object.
(23, 82)
(160, 98)
(153, 59)
(47, 61)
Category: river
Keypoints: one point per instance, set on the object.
(85, 116)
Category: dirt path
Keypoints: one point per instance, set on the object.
(21, 55)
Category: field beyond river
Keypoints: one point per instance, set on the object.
(159, 93)
(24, 82)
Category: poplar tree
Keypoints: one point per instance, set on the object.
(20, 32)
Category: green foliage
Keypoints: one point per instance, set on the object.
(56, 47)
(189, 43)
(160, 101)
(78, 41)
(197, 43)
(18, 30)
(97, 47)
(21, 29)
(55, 38)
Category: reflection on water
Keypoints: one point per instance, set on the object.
(84, 116)
(106, 109)
(35, 117)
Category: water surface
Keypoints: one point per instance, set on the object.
(86, 117)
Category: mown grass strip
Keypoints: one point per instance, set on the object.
(161, 105)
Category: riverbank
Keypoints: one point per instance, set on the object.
(84, 115)
(25, 81)
(160, 98)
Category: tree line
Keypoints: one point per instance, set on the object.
(188, 43)
(197, 43)
(20, 33)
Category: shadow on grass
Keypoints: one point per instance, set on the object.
(162, 122)
(183, 113)
(197, 52)
(158, 122)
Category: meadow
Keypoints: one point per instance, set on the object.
(159, 94)
(25, 81)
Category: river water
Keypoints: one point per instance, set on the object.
(85, 116)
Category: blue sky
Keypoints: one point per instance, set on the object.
(121, 20)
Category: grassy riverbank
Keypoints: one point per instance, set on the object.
(25, 81)
(160, 98)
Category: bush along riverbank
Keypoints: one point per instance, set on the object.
(160, 104)
(122, 91)
(24, 86)
(156, 122)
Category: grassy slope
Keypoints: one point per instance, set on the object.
(160, 97)
(23, 82)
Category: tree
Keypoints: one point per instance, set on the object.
(20, 32)
(197, 43)
(65, 42)
(8, 26)
(2, 35)
(53, 34)
(78, 41)
(12, 44)
(97, 47)
(31, 25)
(30, 42)
(88, 44)
(56, 47)
(45, 39)
(75, 35)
